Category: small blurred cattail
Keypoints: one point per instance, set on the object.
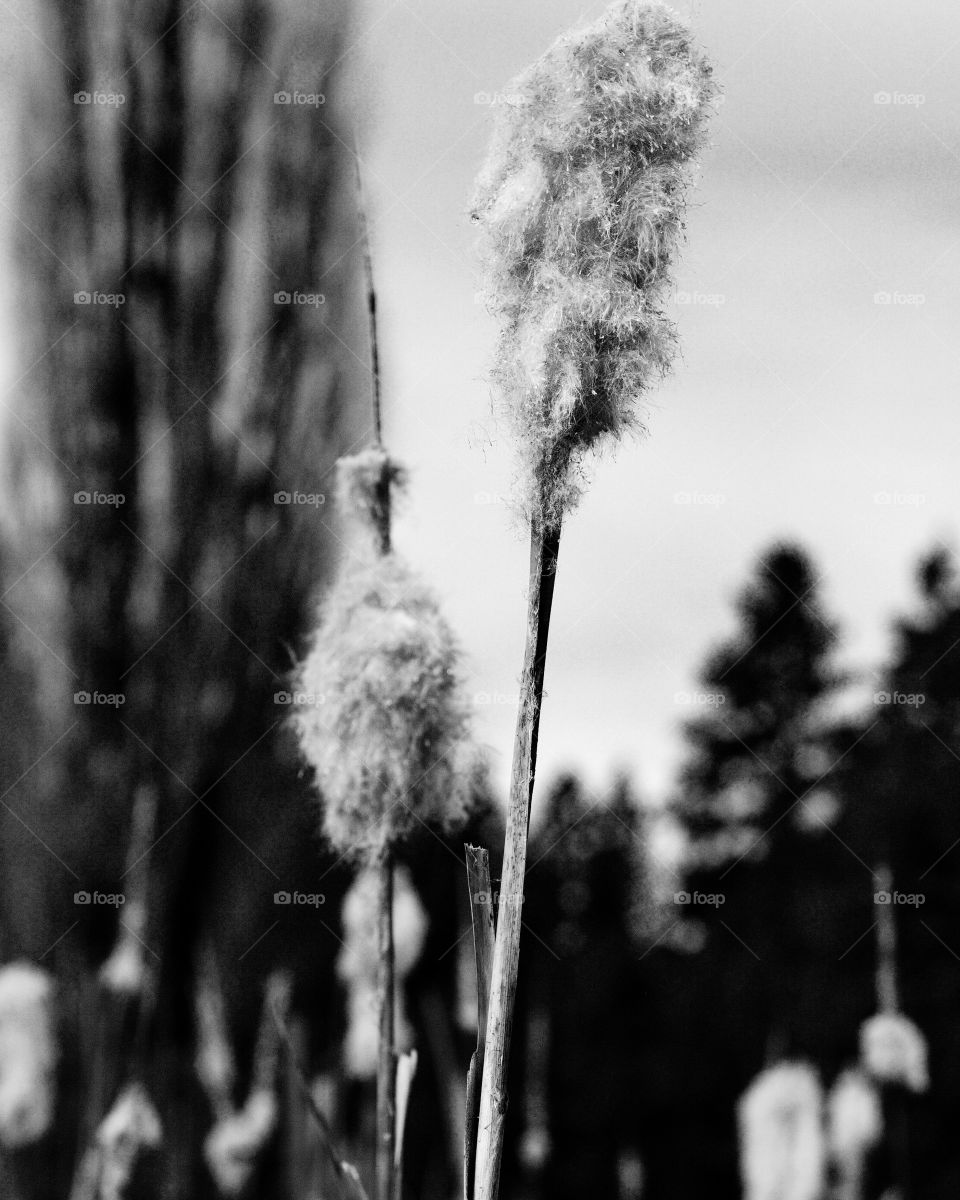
(854, 1127)
(213, 1061)
(383, 722)
(582, 201)
(358, 960)
(28, 1053)
(782, 1153)
(234, 1144)
(129, 1129)
(893, 1050)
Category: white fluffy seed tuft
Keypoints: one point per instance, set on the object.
(581, 201)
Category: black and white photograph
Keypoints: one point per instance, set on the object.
(479, 600)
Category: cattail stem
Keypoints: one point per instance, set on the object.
(386, 1058)
(887, 997)
(544, 549)
(481, 915)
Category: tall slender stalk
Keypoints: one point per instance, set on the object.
(544, 549)
(386, 1056)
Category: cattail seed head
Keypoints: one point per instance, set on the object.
(233, 1145)
(781, 1134)
(131, 1127)
(893, 1050)
(383, 720)
(581, 201)
(28, 1053)
(854, 1120)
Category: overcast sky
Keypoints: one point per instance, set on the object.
(802, 407)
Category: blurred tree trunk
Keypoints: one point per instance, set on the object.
(157, 166)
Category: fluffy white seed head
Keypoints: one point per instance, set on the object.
(581, 202)
(129, 1128)
(854, 1120)
(382, 719)
(893, 1050)
(782, 1154)
(233, 1145)
(28, 1053)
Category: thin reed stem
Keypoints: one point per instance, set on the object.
(386, 1058)
(544, 549)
